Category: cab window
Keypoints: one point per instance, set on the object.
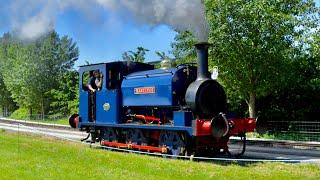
(114, 79)
(95, 76)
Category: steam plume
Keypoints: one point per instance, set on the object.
(181, 15)
(32, 18)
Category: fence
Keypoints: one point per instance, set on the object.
(291, 130)
(53, 119)
(39, 117)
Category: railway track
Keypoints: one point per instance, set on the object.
(256, 150)
(36, 124)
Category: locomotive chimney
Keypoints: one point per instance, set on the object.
(202, 54)
(205, 96)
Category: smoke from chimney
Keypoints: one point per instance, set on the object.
(181, 15)
(32, 18)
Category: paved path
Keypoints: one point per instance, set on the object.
(62, 134)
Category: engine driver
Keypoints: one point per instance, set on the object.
(95, 81)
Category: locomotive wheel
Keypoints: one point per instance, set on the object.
(136, 136)
(237, 149)
(174, 141)
(95, 135)
(110, 135)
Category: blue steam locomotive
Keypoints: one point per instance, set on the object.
(176, 110)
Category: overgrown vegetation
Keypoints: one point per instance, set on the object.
(30, 157)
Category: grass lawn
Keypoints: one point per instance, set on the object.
(31, 157)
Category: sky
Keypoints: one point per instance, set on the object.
(102, 37)
(106, 41)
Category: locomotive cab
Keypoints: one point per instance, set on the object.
(104, 102)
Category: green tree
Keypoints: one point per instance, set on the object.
(65, 99)
(20, 72)
(162, 55)
(135, 56)
(31, 70)
(54, 56)
(254, 44)
(315, 55)
(183, 47)
(6, 102)
(254, 41)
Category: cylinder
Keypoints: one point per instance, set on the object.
(202, 54)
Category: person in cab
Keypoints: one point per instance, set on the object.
(95, 81)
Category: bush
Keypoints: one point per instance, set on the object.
(21, 113)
